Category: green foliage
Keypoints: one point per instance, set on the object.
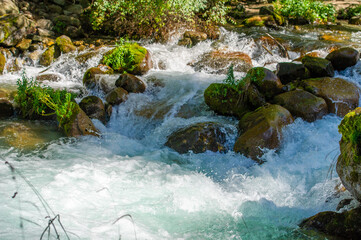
(36, 100)
(139, 17)
(59, 27)
(349, 12)
(125, 56)
(308, 9)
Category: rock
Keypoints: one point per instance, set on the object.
(13, 28)
(303, 104)
(75, 9)
(345, 225)
(225, 100)
(51, 77)
(340, 95)
(318, 67)
(2, 63)
(199, 137)
(74, 32)
(82, 58)
(130, 83)
(333, 38)
(59, 2)
(194, 36)
(266, 10)
(93, 78)
(52, 8)
(20, 136)
(24, 44)
(356, 20)
(79, 124)
(343, 58)
(266, 81)
(349, 161)
(343, 203)
(261, 129)
(45, 24)
(49, 55)
(93, 107)
(256, 21)
(139, 65)
(45, 33)
(65, 44)
(8, 7)
(185, 42)
(117, 96)
(67, 20)
(6, 106)
(220, 61)
(288, 72)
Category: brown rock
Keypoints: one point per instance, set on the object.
(117, 96)
(130, 83)
(93, 107)
(343, 58)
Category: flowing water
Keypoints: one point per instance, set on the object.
(128, 185)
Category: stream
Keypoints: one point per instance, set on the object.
(128, 185)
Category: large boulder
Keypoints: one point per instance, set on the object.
(343, 58)
(94, 107)
(318, 67)
(345, 225)
(266, 81)
(340, 95)
(117, 96)
(130, 83)
(219, 62)
(94, 78)
(349, 161)
(261, 129)
(288, 72)
(79, 124)
(198, 138)
(303, 104)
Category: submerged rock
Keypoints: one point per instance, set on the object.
(261, 129)
(198, 138)
(343, 58)
(220, 61)
(21, 136)
(340, 95)
(345, 225)
(303, 104)
(130, 83)
(349, 162)
(93, 107)
(318, 67)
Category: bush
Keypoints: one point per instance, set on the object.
(349, 12)
(146, 18)
(34, 100)
(314, 11)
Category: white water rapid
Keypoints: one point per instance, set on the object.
(128, 185)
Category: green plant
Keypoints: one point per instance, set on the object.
(59, 27)
(308, 9)
(125, 56)
(349, 12)
(33, 100)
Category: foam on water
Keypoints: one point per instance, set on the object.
(91, 182)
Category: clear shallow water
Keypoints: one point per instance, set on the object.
(91, 182)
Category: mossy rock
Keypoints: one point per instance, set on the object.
(191, 38)
(255, 21)
(349, 162)
(139, 65)
(94, 107)
(117, 96)
(24, 44)
(2, 63)
(345, 225)
(198, 138)
(343, 58)
(340, 95)
(289, 72)
(79, 124)
(303, 104)
(318, 67)
(65, 44)
(225, 100)
(93, 78)
(49, 55)
(130, 83)
(261, 129)
(267, 82)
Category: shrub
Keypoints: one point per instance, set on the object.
(145, 18)
(125, 56)
(33, 100)
(308, 9)
(349, 12)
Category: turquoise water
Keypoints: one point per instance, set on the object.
(92, 182)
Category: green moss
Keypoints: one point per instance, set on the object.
(67, 125)
(350, 128)
(2, 63)
(255, 75)
(48, 56)
(6, 33)
(65, 44)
